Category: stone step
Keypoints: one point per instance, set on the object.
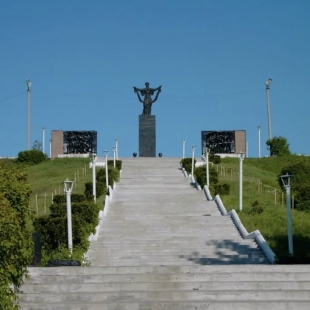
(224, 260)
(174, 234)
(231, 271)
(185, 262)
(199, 216)
(190, 295)
(175, 238)
(177, 254)
(167, 256)
(169, 248)
(164, 246)
(262, 277)
(211, 305)
(170, 286)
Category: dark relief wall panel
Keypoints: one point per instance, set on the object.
(221, 142)
(79, 142)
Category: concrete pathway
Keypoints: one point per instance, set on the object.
(157, 218)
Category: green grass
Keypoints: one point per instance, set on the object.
(272, 222)
(46, 180)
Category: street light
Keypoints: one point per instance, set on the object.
(193, 157)
(116, 147)
(106, 169)
(267, 83)
(259, 154)
(68, 186)
(207, 166)
(93, 157)
(241, 158)
(183, 156)
(28, 91)
(114, 150)
(286, 183)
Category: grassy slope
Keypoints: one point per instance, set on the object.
(272, 222)
(47, 178)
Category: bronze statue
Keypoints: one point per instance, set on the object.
(147, 93)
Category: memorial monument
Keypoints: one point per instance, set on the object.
(147, 122)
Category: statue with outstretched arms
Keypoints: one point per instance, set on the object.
(147, 101)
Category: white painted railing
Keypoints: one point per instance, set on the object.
(244, 233)
(102, 214)
(207, 193)
(191, 179)
(184, 172)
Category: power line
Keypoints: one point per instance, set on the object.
(13, 96)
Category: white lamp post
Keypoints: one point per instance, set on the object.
(241, 158)
(114, 151)
(259, 154)
(267, 83)
(183, 156)
(207, 166)
(68, 186)
(116, 147)
(193, 158)
(93, 157)
(286, 183)
(28, 91)
(106, 169)
(50, 148)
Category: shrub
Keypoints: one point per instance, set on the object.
(257, 208)
(187, 164)
(16, 244)
(100, 189)
(32, 157)
(113, 175)
(200, 173)
(278, 146)
(215, 159)
(74, 198)
(54, 234)
(300, 182)
(221, 189)
(118, 164)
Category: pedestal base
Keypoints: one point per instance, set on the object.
(147, 136)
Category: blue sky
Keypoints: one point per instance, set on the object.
(212, 59)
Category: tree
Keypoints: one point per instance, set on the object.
(300, 182)
(37, 145)
(278, 146)
(16, 244)
(31, 157)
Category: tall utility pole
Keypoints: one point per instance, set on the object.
(267, 83)
(28, 91)
(43, 140)
(259, 154)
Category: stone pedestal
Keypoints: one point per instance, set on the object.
(147, 136)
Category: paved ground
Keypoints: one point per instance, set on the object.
(157, 218)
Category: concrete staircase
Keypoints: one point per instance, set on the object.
(164, 246)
